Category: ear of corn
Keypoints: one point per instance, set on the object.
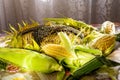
(88, 67)
(57, 51)
(47, 66)
(103, 43)
(60, 51)
(30, 60)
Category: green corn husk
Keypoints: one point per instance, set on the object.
(67, 43)
(84, 57)
(88, 50)
(86, 68)
(30, 60)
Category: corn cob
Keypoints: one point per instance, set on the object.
(57, 51)
(30, 60)
(103, 43)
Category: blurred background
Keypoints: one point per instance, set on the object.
(89, 11)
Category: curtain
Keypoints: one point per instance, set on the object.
(89, 11)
